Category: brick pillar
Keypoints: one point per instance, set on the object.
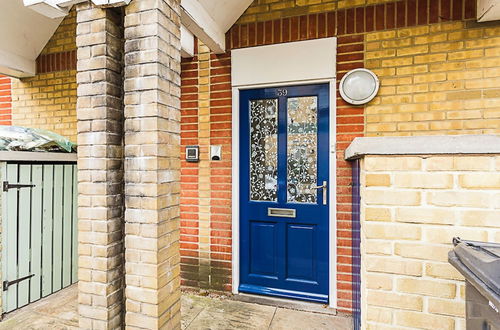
(152, 164)
(100, 167)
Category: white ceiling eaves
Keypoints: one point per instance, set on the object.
(48, 8)
(226, 12)
(209, 20)
(197, 20)
(23, 35)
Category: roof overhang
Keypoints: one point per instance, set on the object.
(23, 34)
(60, 8)
(27, 25)
(209, 20)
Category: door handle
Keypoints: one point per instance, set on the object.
(325, 188)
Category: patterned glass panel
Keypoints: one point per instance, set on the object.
(264, 150)
(302, 153)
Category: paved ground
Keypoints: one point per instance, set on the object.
(199, 313)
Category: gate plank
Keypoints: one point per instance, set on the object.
(66, 225)
(57, 231)
(74, 223)
(36, 231)
(24, 235)
(48, 181)
(10, 239)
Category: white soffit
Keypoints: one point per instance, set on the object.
(284, 63)
(23, 34)
(225, 12)
(197, 20)
(209, 20)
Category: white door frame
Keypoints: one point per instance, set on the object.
(332, 184)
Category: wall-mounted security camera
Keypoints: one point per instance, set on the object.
(215, 152)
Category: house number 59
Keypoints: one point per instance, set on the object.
(281, 92)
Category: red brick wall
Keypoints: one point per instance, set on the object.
(220, 171)
(5, 101)
(206, 186)
(350, 124)
(189, 175)
(61, 61)
(349, 25)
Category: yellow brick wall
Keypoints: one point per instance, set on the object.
(64, 39)
(263, 10)
(437, 79)
(48, 100)
(411, 208)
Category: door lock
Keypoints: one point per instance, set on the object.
(325, 188)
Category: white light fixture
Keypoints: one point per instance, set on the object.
(359, 86)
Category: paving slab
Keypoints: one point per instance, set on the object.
(59, 312)
(286, 319)
(224, 314)
(191, 307)
(35, 321)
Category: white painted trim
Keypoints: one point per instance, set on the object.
(235, 198)
(333, 195)
(33, 156)
(187, 43)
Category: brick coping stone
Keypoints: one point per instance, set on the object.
(423, 145)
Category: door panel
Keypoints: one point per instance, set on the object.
(284, 148)
(263, 249)
(300, 257)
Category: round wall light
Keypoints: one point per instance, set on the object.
(359, 86)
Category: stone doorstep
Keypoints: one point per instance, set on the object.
(286, 303)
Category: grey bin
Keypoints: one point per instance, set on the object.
(479, 263)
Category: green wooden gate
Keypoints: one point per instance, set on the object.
(39, 231)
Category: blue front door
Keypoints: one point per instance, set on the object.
(284, 162)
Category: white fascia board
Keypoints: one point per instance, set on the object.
(68, 3)
(187, 43)
(197, 20)
(47, 8)
(16, 66)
